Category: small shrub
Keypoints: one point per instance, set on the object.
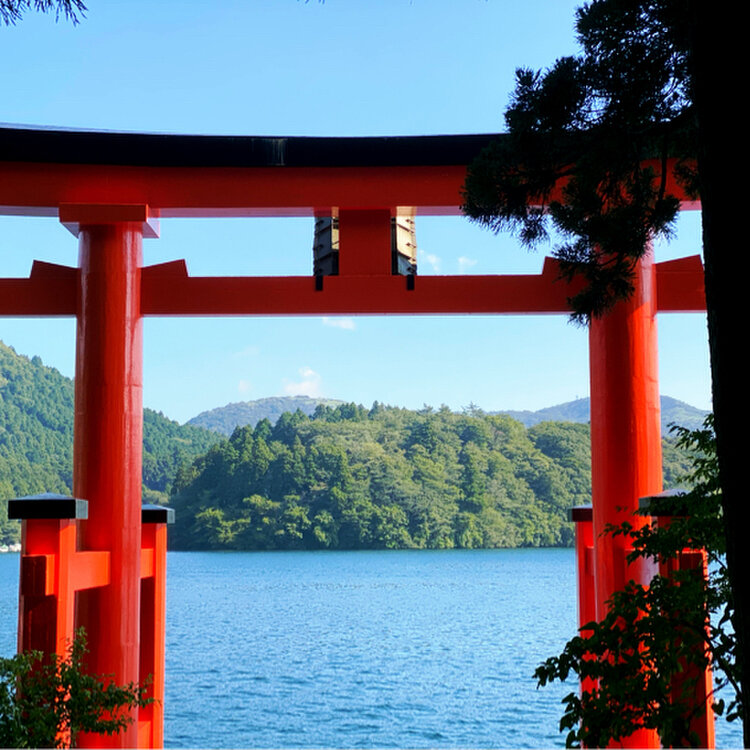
(46, 701)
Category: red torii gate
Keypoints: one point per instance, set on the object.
(103, 566)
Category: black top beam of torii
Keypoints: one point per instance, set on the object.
(59, 145)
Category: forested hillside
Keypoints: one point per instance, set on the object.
(36, 437)
(352, 478)
(345, 477)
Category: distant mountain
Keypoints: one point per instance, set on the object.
(224, 419)
(389, 478)
(672, 411)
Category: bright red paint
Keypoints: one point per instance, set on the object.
(167, 289)
(107, 446)
(704, 724)
(53, 570)
(625, 425)
(153, 617)
(625, 436)
(584, 548)
(36, 189)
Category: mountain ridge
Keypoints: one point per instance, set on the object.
(673, 411)
(225, 419)
(36, 446)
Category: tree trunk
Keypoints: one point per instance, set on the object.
(727, 281)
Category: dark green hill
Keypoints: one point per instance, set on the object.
(352, 478)
(36, 436)
(224, 419)
(672, 412)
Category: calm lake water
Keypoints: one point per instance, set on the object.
(409, 649)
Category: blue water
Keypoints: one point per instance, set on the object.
(360, 649)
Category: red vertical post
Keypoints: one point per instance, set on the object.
(584, 546)
(46, 596)
(53, 570)
(626, 462)
(107, 446)
(704, 724)
(695, 561)
(625, 435)
(153, 621)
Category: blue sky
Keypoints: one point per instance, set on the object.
(289, 67)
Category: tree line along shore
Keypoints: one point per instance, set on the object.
(343, 477)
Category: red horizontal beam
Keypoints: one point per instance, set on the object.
(680, 285)
(39, 189)
(87, 570)
(148, 563)
(90, 569)
(167, 289)
(50, 291)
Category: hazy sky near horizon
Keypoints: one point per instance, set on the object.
(289, 67)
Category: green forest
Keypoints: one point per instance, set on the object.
(388, 478)
(344, 477)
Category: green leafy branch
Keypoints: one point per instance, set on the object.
(639, 666)
(46, 701)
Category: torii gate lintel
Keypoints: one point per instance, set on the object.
(167, 289)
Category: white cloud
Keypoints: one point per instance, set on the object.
(309, 385)
(347, 324)
(464, 264)
(244, 387)
(432, 260)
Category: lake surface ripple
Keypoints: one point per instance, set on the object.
(365, 649)
(413, 649)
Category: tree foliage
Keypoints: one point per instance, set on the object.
(12, 11)
(639, 665)
(587, 147)
(383, 478)
(353, 478)
(588, 152)
(47, 700)
(429, 478)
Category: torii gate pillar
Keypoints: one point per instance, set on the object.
(626, 460)
(108, 436)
